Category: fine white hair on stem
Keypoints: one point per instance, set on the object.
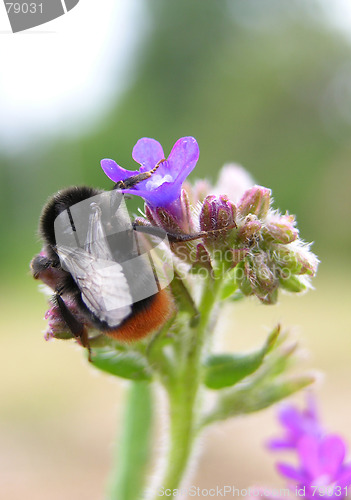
(162, 449)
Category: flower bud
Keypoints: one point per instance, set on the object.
(163, 218)
(241, 279)
(286, 259)
(175, 218)
(306, 259)
(217, 213)
(293, 284)
(296, 258)
(281, 229)
(255, 200)
(249, 229)
(254, 276)
(262, 278)
(57, 326)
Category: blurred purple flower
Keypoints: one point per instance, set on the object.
(297, 424)
(57, 326)
(163, 188)
(321, 465)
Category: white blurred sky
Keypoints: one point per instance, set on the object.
(59, 77)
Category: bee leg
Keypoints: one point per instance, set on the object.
(77, 328)
(178, 237)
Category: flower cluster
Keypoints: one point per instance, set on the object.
(261, 244)
(267, 252)
(321, 470)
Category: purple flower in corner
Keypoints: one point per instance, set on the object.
(297, 424)
(321, 465)
(163, 188)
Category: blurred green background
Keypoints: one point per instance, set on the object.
(264, 83)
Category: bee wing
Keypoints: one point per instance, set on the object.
(103, 285)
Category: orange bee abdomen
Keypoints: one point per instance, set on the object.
(145, 320)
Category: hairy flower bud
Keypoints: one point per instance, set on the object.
(307, 261)
(293, 283)
(57, 326)
(281, 229)
(217, 214)
(262, 278)
(255, 276)
(249, 230)
(255, 200)
(175, 218)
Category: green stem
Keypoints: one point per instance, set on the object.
(185, 398)
(133, 447)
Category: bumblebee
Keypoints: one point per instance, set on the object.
(110, 267)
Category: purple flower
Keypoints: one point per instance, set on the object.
(163, 188)
(297, 424)
(57, 326)
(321, 465)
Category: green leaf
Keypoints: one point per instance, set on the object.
(251, 398)
(225, 370)
(129, 365)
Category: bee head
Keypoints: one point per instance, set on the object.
(60, 202)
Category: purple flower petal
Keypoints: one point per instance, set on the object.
(178, 166)
(290, 417)
(332, 453)
(321, 457)
(164, 187)
(147, 152)
(344, 476)
(115, 172)
(308, 451)
(291, 472)
(166, 194)
(311, 410)
(281, 444)
(296, 423)
(183, 157)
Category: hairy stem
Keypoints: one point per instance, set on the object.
(133, 447)
(185, 397)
